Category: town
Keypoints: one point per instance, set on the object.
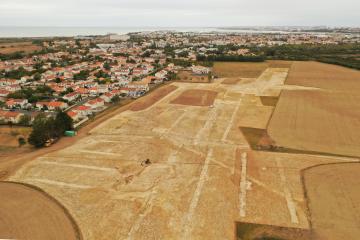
(85, 75)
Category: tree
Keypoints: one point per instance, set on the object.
(40, 131)
(115, 99)
(25, 120)
(107, 66)
(63, 122)
(37, 76)
(21, 141)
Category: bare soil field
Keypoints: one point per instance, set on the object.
(325, 76)
(236, 69)
(187, 76)
(27, 47)
(27, 213)
(333, 199)
(178, 171)
(279, 64)
(231, 81)
(150, 99)
(196, 97)
(317, 121)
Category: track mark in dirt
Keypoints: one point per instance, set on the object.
(58, 183)
(187, 226)
(145, 211)
(288, 197)
(243, 185)
(104, 169)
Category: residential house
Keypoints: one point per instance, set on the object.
(13, 117)
(71, 96)
(52, 105)
(16, 103)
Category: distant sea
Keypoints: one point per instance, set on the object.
(76, 31)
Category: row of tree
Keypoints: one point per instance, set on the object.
(46, 128)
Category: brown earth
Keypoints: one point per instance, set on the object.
(196, 97)
(187, 76)
(333, 196)
(251, 231)
(231, 81)
(325, 76)
(203, 176)
(147, 101)
(279, 64)
(27, 213)
(317, 121)
(239, 69)
(27, 47)
(9, 135)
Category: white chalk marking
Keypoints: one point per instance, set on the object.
(232, 119)
(243, 185)
(207, 126)
(174, 124)
(289, 199)
(187, 226)
(58, 183)
(104, 169)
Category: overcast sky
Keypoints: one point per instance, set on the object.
(179, 13)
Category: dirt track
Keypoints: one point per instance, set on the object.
(27, 213)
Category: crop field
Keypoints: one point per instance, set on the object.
(27, 47)
(243, 70)
(180, 167)
(45, 218)
(324, 76)
(317, 121)
(334, 200)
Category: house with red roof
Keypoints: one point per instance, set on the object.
(71, 96)
(82, 110)
(75, 116)
(52, 105)
(7, 116)
(16, 103)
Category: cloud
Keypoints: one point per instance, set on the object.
(178, 13)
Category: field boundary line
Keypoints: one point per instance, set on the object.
(232, 119)
(288, 196)
(243, 185)
(187, 225)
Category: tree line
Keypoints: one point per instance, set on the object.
(46, 128)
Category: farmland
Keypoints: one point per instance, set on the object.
(26, 47)
(180, 166)
(317, 121)
(9, 140)
(324, 76)
(21, 200)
